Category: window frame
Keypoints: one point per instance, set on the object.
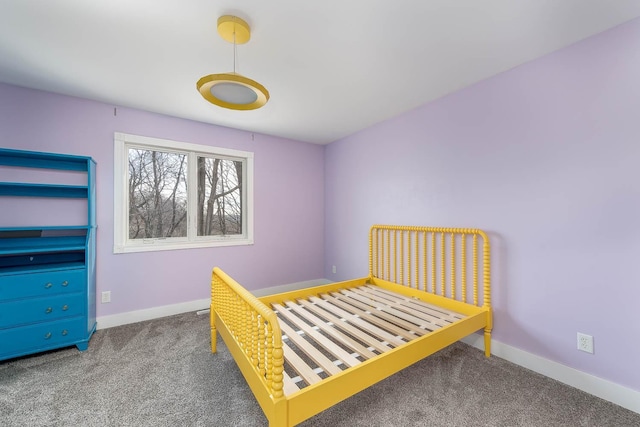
(121, 241)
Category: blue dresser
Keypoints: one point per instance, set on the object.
(47, 273)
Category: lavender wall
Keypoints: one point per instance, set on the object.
(288, 197)
(545, 158)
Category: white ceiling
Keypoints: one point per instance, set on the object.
(332, 67)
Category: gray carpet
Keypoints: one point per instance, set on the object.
(161, 373)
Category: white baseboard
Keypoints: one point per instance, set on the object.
(604, 389)
(120, 319)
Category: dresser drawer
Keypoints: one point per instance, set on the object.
(31, 310)
(42, 283)
(42, 336)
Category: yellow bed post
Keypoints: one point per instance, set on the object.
(486, 278)
(212, 321)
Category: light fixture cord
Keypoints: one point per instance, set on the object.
(235, 50)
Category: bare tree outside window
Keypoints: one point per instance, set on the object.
(157, 194)
(219, 197)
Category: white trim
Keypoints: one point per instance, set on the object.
(120, 319)
(604, 389)
(154, 245)
(152, 142)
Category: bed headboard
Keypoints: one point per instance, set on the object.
(451, 262)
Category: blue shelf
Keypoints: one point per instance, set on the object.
(43, 190)
(26, 245)
(33, 159)
(57, 230)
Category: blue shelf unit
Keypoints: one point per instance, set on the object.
(47, 273)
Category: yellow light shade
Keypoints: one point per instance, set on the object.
(232, 91)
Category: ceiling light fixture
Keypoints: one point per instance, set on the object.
(232, 90)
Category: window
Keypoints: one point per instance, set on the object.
(174, 195)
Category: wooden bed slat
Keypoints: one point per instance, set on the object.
(323, 361)
(339, 300)
(320, 339)
(448, 317)
(324, 342)
(325, 302)
(441, 316)
(289, 386)
(452, 315)
(299, 365)
(345, 340)
(355, 332)
(408, 326)
(431, 324)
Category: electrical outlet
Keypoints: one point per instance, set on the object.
(333, 269)
(585, 343)
(106, 296)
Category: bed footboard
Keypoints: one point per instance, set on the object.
(252, 333)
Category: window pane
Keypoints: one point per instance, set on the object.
(157, 194)
(219, 197)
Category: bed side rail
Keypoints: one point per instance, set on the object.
(253, 326)
(450, 262)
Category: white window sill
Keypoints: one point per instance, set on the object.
(164, 246)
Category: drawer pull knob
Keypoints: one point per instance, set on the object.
(48, 285)
(64, 332)
(48, 310)
(65, 307)
(47, 335)
(65, 283)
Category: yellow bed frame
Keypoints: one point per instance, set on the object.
(413, 273)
